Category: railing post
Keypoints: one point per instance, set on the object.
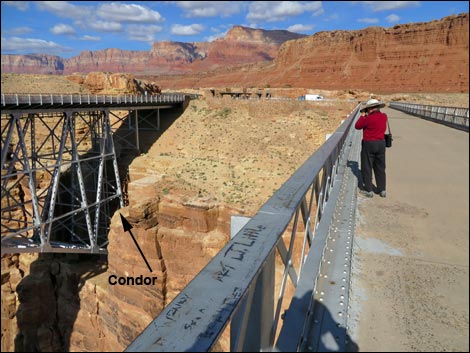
(250, 326)
(250, 329)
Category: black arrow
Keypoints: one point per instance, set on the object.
(127, 227)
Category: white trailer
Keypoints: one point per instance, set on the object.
(313, 97)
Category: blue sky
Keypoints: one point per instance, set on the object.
(66, 28)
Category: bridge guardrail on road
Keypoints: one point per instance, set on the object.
(237, 285)
(450, 116)
(44, 100)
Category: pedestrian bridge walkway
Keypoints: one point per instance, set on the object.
(409, 281)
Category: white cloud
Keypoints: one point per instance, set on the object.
(17, 31)
(377, 6)
(90, 38)
(65, 9)
(29, 45)
(62, 29)
(209, 8)
(118, 12)
(272, 11)
(143, 33)
(368, 20)
(20, 5)
(299, 28)
(190, 30)
(392, 18)
(102, 26)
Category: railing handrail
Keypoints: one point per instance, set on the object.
(195, 319)
(43, 100)
(457, 117)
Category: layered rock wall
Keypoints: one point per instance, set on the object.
(33, 64)
(413, 57)
(107, 83)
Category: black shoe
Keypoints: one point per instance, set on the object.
(366, 193)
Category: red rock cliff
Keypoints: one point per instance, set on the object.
(413, 57)
(33, 64)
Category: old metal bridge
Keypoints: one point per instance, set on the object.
(60, 177)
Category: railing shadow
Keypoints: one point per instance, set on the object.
(354, 167)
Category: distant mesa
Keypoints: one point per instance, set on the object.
(241, 45)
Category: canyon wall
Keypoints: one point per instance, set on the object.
(33, 64)
(409, 57)
(241, 45)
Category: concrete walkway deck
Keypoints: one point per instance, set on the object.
(410, 276)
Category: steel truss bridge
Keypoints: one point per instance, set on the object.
(60, 178)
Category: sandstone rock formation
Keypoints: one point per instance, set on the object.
(107, 83)
(411, 57)
(33, 64)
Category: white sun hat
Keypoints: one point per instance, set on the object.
(371, 103)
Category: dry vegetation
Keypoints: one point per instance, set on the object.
(236, 152)
(239, 152)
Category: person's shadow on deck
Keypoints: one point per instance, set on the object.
(328, 336)
(323, 332)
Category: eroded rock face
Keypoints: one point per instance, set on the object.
(119, 83)
(413, 57)
(418, 57)
(177, 238)
(108, 60)
(33, 64)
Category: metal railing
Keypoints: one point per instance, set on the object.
(237, 285)
(450, 116)
(44, 100)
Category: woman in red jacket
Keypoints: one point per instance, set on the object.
(373, 123)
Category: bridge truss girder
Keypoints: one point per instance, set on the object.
(59, 180)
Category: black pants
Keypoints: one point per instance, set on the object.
(373, 158)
